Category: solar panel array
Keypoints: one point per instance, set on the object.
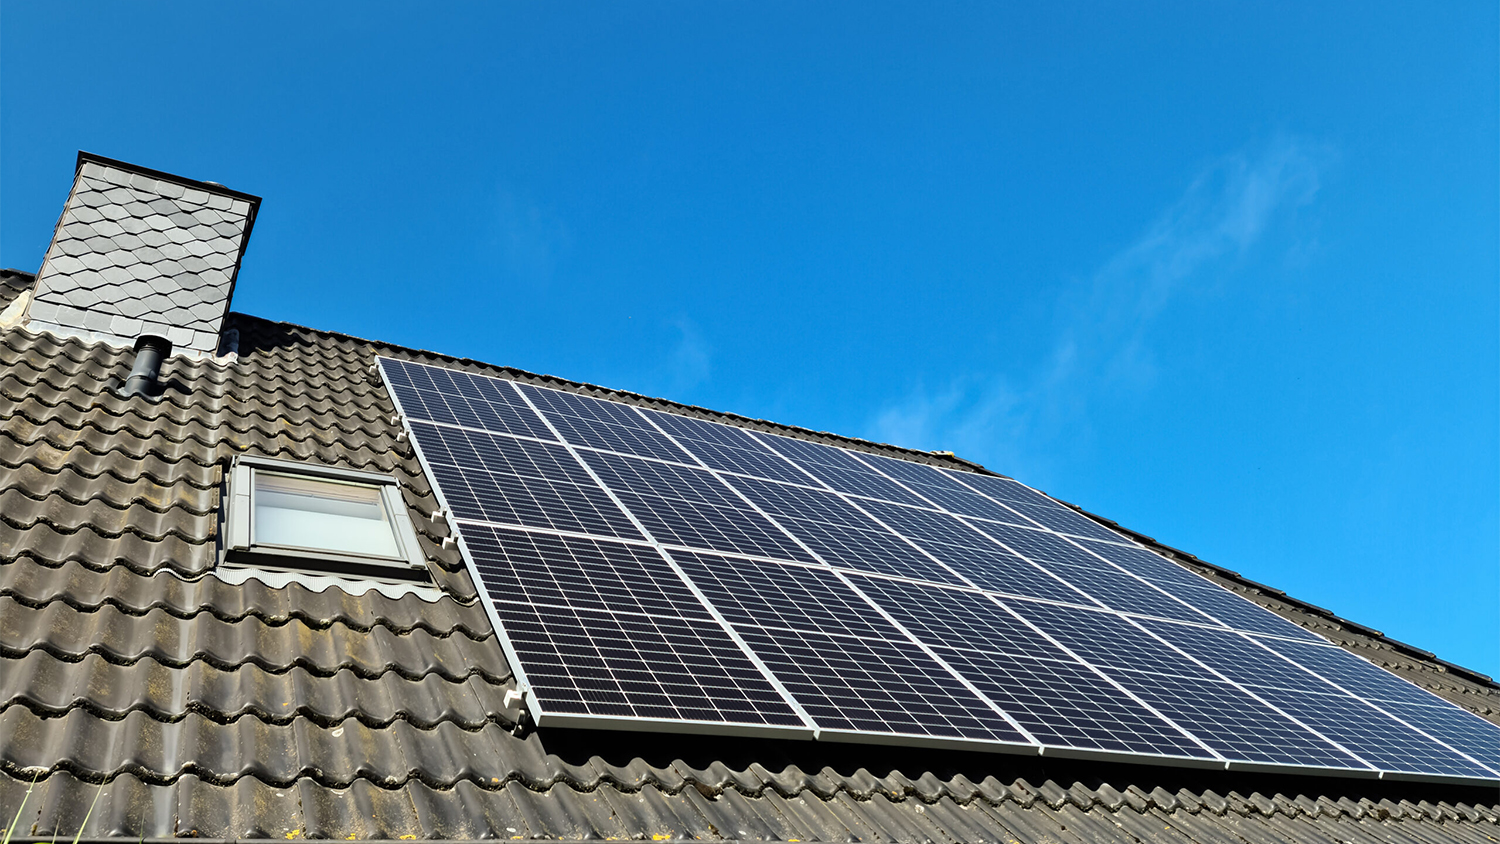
(656, 571)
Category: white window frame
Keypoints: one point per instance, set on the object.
(241, 548)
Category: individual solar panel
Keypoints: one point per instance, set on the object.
(608, 629)
(504, 480)
(1370, 734)
(764, 594)
(876, 686)
(690, 507)
(1038, 546)
(971, 596)
(838, 533)
(1233, 723)
(545, 569)
(939, 488)
(1238, 657)
(1106, 640)
(1241, 614)
(728, 449)
(460, 398)
(1153, 568)
(603, 664)
(1477, 738)
(846, 665)
(1119, 591)
(1350, 673)
(1065, 704)
(1065, 521)
(838, 469)
(998, 570)
(1005, 489)
(950, 617)
(607, 425)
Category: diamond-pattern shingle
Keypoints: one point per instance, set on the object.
(137, 246)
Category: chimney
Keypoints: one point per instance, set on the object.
(139, 252)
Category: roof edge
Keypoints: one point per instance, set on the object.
(211, 187)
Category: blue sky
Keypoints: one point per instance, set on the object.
(1226, 273)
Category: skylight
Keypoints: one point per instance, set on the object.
(298, 516)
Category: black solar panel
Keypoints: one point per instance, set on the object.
(691, 507)
(510, 481)
(604, 425)
(1370, 734)
(839, 469)
(838, 533)
(641, 565)
(876, 686)
(729, 449)
(1233, 723)
(1064, 703)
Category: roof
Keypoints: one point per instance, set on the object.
(257, 710)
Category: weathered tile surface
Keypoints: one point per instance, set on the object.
(216, 709)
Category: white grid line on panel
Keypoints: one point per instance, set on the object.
(902, 630)
(1251, 693)
(719, 618)
(967, 683)
(523, 683)
(1103, 676)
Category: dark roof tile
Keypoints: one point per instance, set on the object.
(221, 709)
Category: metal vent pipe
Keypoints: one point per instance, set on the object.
(150, 350)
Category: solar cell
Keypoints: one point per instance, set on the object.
(728, 449)
(607, 425)
(1376, 737)
(691, 507)
(504, 480)
(1065, 704)
(875, 686)
(582, 662)
(838, 469)
(1232, 723)
(838, 533)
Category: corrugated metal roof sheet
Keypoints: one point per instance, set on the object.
(224, 710)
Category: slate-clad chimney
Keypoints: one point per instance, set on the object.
(139, 252)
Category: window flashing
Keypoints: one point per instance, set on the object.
(242, 547)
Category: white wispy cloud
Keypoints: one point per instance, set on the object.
(1102, 344)
(528, 240)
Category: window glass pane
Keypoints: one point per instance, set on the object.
(324, 515)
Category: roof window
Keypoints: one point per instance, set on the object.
(295, 516)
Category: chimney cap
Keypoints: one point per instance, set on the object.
(211, 187)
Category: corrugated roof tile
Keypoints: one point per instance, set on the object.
(170, 681)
